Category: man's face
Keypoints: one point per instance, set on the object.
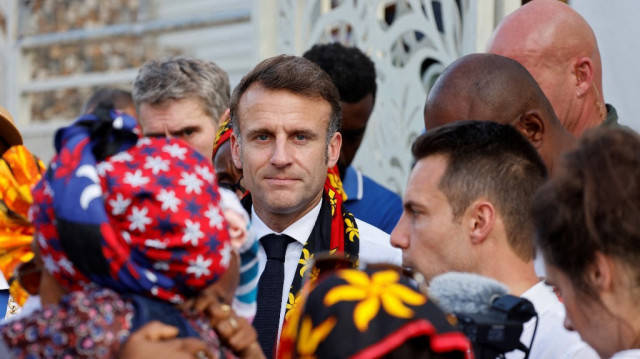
(354, 123)
(282, 150)
(432, 242)
(184, 118)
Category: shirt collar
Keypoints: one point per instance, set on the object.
(300, 230)
(352, 184)
(541, 296)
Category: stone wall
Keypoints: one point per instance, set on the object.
(62, 60)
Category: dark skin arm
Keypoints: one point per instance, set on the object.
(235, 333)
(158, 340)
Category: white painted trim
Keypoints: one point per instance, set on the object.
(81, 80)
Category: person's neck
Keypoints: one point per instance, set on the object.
(506, 267)
(519, 279)
(279, 221)
(593, 114)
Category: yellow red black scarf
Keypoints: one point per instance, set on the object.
(335, 233)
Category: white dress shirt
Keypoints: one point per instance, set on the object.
(627, 354)
(3, 282)
(552, 339)
(375, 247)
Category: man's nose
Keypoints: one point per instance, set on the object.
(281, 156)
(399, 238)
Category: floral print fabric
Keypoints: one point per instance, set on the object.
(91, 324)
(366, 314)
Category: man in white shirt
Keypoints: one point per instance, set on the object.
(466, 209)
(285, 115)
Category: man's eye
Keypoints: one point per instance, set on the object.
(301, 137)
(187, 132)
(262, 137)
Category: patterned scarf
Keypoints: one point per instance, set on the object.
(367, 314)
(334, 233)
(137, 216)
(19, 170)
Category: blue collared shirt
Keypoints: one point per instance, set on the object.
(370, 201)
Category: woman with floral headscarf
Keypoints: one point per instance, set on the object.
(127, 228)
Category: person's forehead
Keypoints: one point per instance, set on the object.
(175, 114)
(425, 177)
(287, 104)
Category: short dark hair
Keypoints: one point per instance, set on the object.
(295, 74)
(493, 160)
(351, 70)
(592, 205)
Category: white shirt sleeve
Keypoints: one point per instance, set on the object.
(375, 246)
(3, 282)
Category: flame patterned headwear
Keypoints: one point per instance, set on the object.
(223, 135)
(19, 171)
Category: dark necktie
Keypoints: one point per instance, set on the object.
(270, 291)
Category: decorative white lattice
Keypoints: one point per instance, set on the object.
(410, 42)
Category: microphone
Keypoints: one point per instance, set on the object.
(490, 317)
(466, 293)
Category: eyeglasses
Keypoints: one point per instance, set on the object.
(28, 275)
(235, 187)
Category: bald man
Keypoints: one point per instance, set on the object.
(559, 49)
(487, 87)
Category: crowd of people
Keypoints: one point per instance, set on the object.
(180, 219)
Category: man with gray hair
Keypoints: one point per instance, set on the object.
(182, 97)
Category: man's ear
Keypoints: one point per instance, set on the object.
(480, 217)
(333, 150)
(235, 151)
(583, 70)
(532, 126)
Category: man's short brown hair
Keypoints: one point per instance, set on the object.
(295, 74)
(490, 160)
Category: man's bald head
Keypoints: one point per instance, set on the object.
(487, 87)
(559, 48)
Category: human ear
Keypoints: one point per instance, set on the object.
(235, 151)
(333, 150)
(532, 126)
(600, 272)
(583, 70)
(480, 218)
